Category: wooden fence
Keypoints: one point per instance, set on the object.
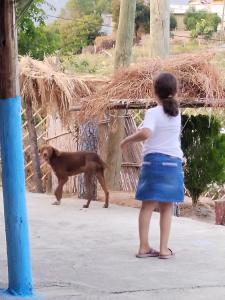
(40, 122)
(59, 136)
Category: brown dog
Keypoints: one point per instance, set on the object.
(65, 164)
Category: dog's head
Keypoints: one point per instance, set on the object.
(48, 152)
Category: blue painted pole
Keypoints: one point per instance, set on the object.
(13, 182)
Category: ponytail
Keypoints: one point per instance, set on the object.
(165, 86)
(170, 106)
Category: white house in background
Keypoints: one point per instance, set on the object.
(107, 26)
(214, 6)
(178, 8)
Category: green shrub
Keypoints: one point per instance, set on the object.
(201, 23)
(204, 148)
(173, 22)
(78, 64)
(80, 33)
(202, 29)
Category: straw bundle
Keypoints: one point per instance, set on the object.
(48, 87)
(196, 76)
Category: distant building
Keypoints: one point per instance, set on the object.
(107, 27)
(213, 6)
(179, 7)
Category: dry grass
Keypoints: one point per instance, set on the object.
(196, 76)
(48, 87)
(102, 63)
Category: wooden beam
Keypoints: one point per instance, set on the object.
(148, 103)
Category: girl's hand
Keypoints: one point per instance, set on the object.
(139, 136)
(123, 144)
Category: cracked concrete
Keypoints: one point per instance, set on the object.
(88, 254)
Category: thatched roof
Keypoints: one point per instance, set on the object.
(197, 77)
(48, 86)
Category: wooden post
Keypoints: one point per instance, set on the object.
(124, 43)
(13, 178)
(125, 34)
(160, 38)
(159, 28)
(33, 147)
(220, 212)
(88, 142)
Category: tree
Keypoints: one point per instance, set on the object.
(37, 41)
(79, 8)
(204, 148)
(142, 16)
(159, 29)
(34, 37)
(78, 33)
(124, 41)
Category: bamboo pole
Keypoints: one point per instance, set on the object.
(33, 147)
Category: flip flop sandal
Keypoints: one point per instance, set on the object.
(171, 255)
(151, 253)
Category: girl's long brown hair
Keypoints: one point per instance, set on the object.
(165, 86)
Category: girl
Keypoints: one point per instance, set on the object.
(161, 178)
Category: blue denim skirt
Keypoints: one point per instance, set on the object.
(161, 179)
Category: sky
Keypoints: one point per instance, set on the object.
(58, 4)
(178, 2)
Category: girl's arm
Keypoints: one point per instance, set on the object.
(139, 136)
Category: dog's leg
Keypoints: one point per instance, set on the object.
(101, 179)
(88, 184)
(59, 190)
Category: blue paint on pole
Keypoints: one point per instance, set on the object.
(13, 182)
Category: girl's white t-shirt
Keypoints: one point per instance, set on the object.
(166, 131)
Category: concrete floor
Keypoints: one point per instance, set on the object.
(89, 254)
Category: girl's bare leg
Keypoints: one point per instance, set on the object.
(165, 225)
(144, 222)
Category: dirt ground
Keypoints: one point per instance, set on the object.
(204, 211)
